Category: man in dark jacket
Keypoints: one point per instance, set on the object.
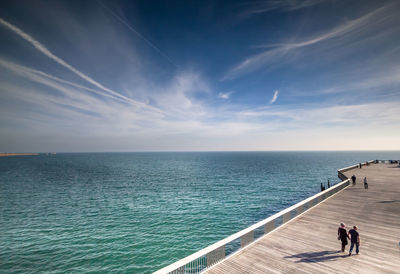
(353, 179)
(355, 239)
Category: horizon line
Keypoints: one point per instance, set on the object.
(185, 151)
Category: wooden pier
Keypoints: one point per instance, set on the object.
(308, 243)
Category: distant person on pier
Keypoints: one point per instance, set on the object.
(353, 179)
(342, 235)
(365, 183)
(359, 165)
(329, 184)
(355, 239)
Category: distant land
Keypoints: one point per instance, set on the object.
(17, 154)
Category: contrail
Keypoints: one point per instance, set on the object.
(137, 33)
(60, 61)
(18, 69)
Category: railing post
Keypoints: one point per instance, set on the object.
(286, 217)
(310, 204)
(300, 210)
(215, 256)
(269, 226)
(180, 270)
(246, 239)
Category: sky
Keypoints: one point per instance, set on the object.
(103, 76)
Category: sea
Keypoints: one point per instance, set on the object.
(139, 212)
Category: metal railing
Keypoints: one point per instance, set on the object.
(215, 253)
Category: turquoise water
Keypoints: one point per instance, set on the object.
(138, 212)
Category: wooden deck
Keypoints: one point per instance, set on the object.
(308, 244)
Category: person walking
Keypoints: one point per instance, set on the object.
(353, 179)
(342, 235)
(365, 183)
(354, 239)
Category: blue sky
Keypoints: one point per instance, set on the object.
(199, 75)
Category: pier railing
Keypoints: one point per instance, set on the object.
(342, 170)
(209, 256)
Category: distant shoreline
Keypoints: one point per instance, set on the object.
(17, 154)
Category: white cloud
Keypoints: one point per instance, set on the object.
(225, 95)
(178, 97)
(274, 97)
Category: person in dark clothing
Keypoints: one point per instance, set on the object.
(365, 183)
(353, 179)
(342, 235)
(354, 239)
(329, 184)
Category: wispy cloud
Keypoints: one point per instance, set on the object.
(33, 73)
(258, 7)
(225, 95)
(373, 81)
(170, 105)
(98, 113)
(297, 116)
(274, 97)
(40, 47)
(276, 53)
(177, 97)
(83, 113)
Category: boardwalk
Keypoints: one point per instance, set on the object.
(308, 244)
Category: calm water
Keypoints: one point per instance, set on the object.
(138, 212)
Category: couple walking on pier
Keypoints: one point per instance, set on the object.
(353, 235)
(353, 179)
